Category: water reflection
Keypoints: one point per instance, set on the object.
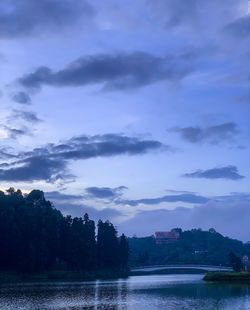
(110, 295)
(89, 295)
(145, 292)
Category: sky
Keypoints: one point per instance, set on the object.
(133, 111)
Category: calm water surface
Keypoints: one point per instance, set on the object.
(171, 292)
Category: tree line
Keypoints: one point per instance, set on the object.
(35, 237)
(194, 246)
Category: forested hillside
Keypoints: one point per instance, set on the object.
(35, 237)
(194, 246)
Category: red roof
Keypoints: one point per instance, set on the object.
(166, 235)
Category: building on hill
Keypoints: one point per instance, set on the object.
(165, 237)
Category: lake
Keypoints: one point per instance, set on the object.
(150, 292)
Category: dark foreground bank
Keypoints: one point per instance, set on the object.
(228, 277)
(14, 277)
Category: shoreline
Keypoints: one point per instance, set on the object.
(57, 276)
(227, 277)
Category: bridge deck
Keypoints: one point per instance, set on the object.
(191, 267)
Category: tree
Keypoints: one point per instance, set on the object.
(123, 251)
(107, 246)
(212, 249)
(235, 262)
(10, 190)
(90, 244)
(143, 258)
(35, 236)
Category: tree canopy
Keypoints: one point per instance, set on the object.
(194, 246)
(35, 236)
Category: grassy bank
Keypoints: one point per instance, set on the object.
(14, 277)
(228, 277)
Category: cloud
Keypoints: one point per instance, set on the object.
(13, 129)
(85, 147)
(193, 13)
(26, 17)
(216, 214)
(174, 191)
(73, 205)
(95, 214)
(33, 169)
(211, 134)
(240, 28)
(62, 197)
(14, 133)
(5, 153)
(114, 196)
(21, 97)
(49, 163)
(228, 173)
(175, 13)
(187, 198)
(114, 72)
(27, 116)
(105, 192)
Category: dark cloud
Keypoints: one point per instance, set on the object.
(228, 173)
(84, 147)
(211, 134)
(21, 97)
(33, 169)
(113, 195)
(174, 191)
(114, 72)
(49, 162)
(187, 198)
(240, 28)
(61, 197)
(105, 192)
(25, 17)
(27, 116)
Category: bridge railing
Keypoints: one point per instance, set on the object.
(204, 266)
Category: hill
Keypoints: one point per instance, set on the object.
(193, 247)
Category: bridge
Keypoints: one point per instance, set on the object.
(169, 268)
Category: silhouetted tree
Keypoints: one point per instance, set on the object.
(123, 251)
(34, 236)
(107, 246)
(235, 262)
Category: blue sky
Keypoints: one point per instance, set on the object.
(136, 111)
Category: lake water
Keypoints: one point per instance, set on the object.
(170, 292)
